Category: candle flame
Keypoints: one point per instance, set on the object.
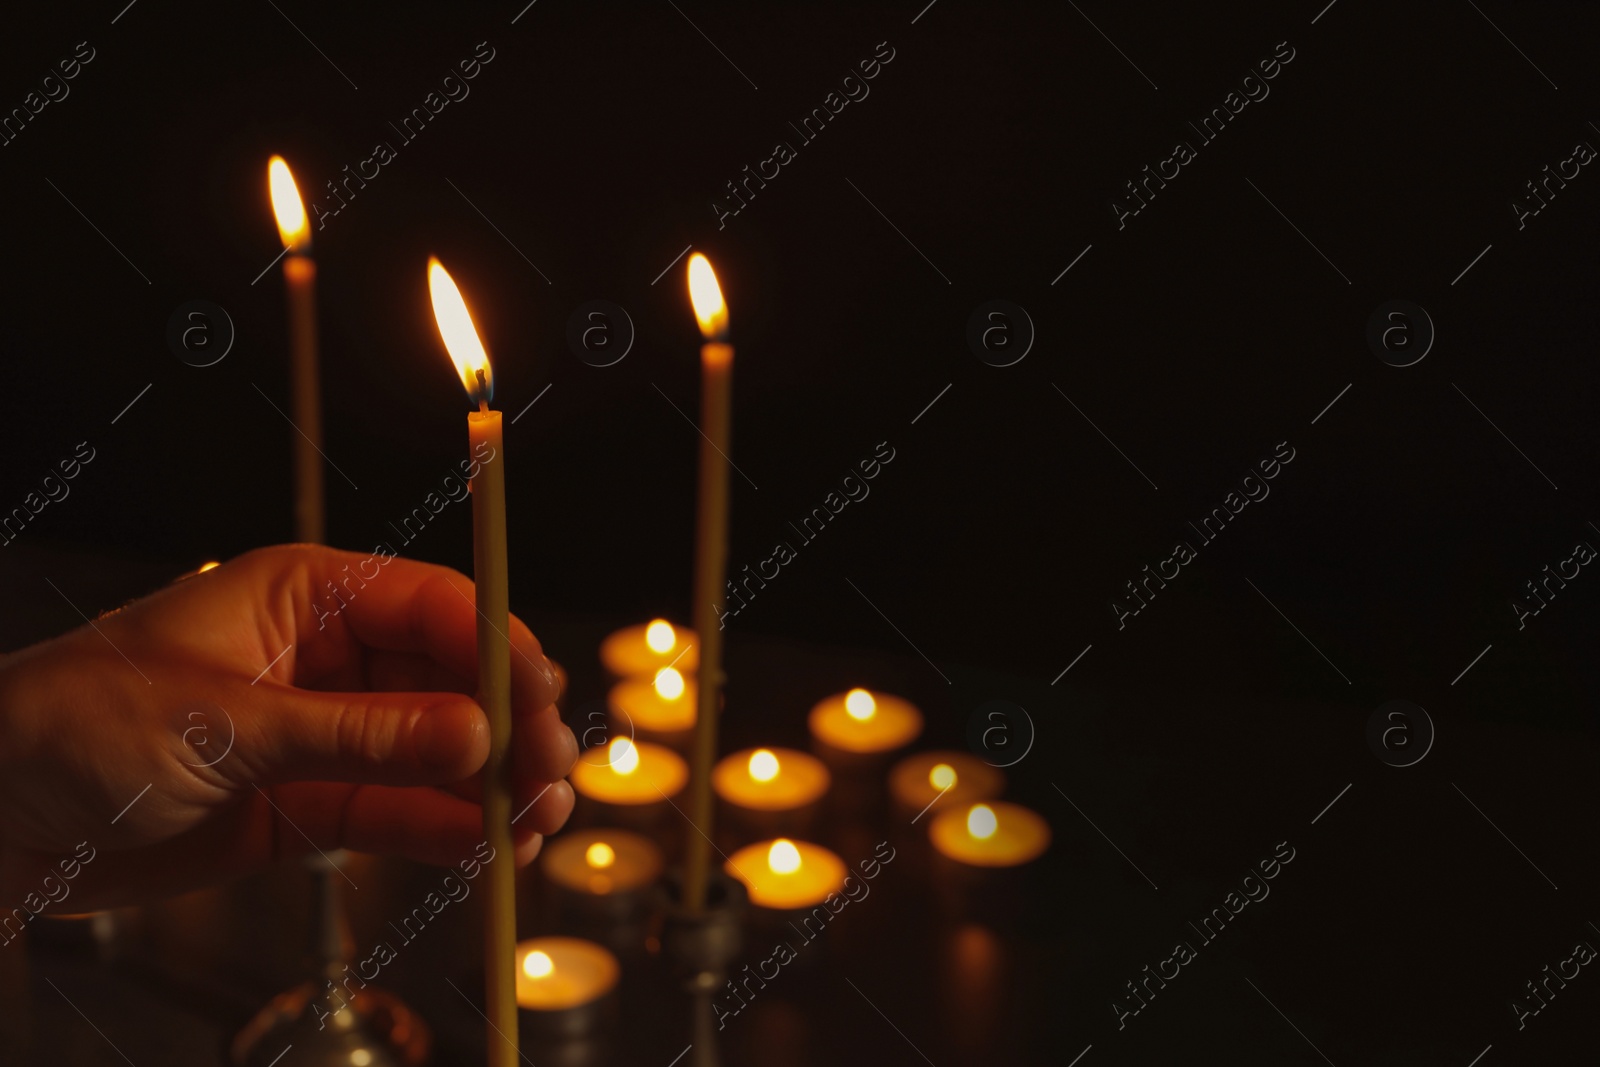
(669, 683)
(537, 964)
(783, 857)
(860, 706)
(943, 776)
(459, 334)
(600, 855)
(706, 295)
(660, 636)
(287, 206)
(981, 822)
(624, 756)
(763, 765)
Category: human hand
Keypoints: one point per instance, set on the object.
(160, 736)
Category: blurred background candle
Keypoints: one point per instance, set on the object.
(564, 984)
(860, 721)
(943, 780)
(601, 861)
(641, 651)
(785, 874)
(305, 385)
(995, 834)
(663, 704)
(630, 772)
(770, 779)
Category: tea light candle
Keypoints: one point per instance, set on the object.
(642, 650)
(785, 874)
(990, 835)
(632, 772)
(859, 721)
(601, 861)
(770, 779)
(561, 973)
(943, 780)
(664, 704)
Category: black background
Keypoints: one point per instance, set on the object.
(1196, 338)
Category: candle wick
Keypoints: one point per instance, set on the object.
(483, 393)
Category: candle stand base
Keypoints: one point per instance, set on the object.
(699, 948)
(296, 1029)
(322, 1021)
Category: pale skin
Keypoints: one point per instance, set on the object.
(361, 736)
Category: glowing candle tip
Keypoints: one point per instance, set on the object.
(706, 295)
(459, 334)
(287, 206)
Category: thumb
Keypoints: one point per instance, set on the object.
(382, 738)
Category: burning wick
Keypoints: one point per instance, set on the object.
(860, 705)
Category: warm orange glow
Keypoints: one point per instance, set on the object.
(669, 683)
(624, 756)
(783, 857)
(763, 765)
(537, 964)
(981, 822)
(459, 334)
(860, 705)
(942, 776)
(287, 206)
(706, 295)
(600, 856)
(660, 636)
(208, 566)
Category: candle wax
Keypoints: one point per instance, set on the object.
(494, 695)
(962, 780)
(638, 701)
(784, 874)
(627, 652)
(601, 861)
(611, 776)
(782, 780)
(300, 277)
(558, 973)
(1007, 836)
(710, 572)
(886, 722)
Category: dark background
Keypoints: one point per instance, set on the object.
(1197, 338)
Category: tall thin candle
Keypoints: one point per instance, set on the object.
(494, 659)
(305, 385)
(710, 564)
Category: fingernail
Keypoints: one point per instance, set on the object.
(548, 670)
(447, 733)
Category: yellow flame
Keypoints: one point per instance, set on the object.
(943, 776)
(783, 857)
(763, 765)
(537, 964)
(706, 295)
(460, 335)
(287, 206)
(213, 565)
(860, 706)
(660, 636)
(600, 855)
(669, 683)
(624, 756)
(981, 822)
